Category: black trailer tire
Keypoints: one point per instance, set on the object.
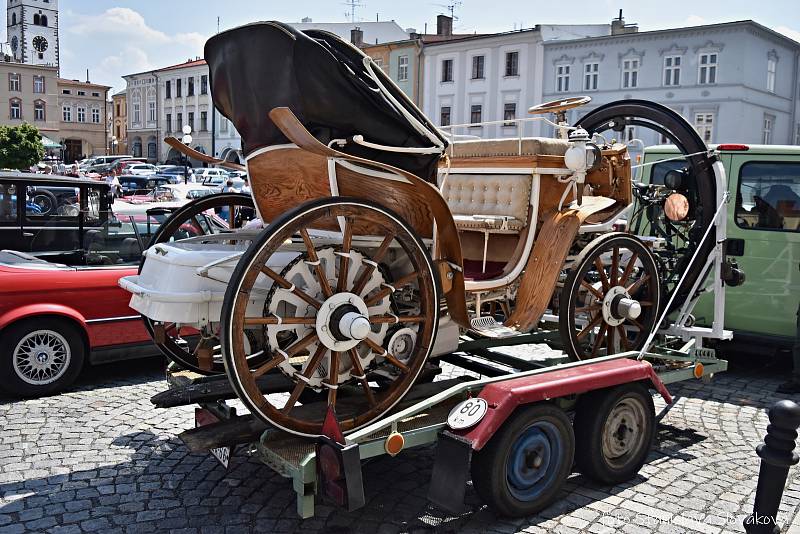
(40, 356)
(536, 445)
(614, 431)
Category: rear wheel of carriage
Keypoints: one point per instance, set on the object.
(344, 293)
(523, 467)
(611, 297)
(179, 344)
(614, 431)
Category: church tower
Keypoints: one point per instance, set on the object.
(33, 31)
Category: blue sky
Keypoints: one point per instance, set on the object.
(113, 37)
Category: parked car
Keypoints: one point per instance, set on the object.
(763, 223)
(102, 164)
(140, 169)
(60, 305)
(132, 184)
(211, 175)
(177, 174)
(164, 195)
(118, 167)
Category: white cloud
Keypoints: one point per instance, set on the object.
(694, 20)
(119, 41)
(788, 32)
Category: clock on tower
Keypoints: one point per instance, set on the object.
(32, 29)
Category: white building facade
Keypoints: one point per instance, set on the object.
(735, 82)
(32, 31)
(144, 132)
(490, 78)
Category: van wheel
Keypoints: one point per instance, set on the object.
(614, 430)
(523, 467)
(40, 356)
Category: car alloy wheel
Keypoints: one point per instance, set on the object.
(41, 357)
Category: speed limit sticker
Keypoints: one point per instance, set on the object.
(467, 413)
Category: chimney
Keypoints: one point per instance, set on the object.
(444, 25)
(618, 26)
(357, 36)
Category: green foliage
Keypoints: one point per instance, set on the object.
(20, 147)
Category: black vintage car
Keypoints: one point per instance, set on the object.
(132, 184)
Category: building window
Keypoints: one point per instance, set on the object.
(66, 92)
(444, 116)
(38, 84)
(81, 93)
(562, 78)
(179, 123)
(204, 121)
(402, 68)
(223, 124)
(190, 87)
(66, 114)
(476, 110)
(190, 122)
(704, 124)
(477, 67)
(707, 73)
(630, 73)
(447, 70)
(15, 109)
(204, 84)
(512, 63)
(81, 114)
(766, 134)
(13, 82)
(137, 117)
(151, 111)
(38, 110)
(119, 132)
(771, 67)
(590, 75)
(178, 88)
(95, 115)
(768, 196)
(797, 134)
(510, 113)
(168, 124)
(168, 89)
(118, 113)
(95, 94)
(13, 19)
(672, 70)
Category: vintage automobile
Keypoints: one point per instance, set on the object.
(386, 238)
(60, 304)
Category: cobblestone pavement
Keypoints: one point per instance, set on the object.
(101, 458)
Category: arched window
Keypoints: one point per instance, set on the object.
(36, 19)
(152, 149)
(13, 19)
(137, 147)
(43, 20)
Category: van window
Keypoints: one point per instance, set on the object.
(769, 196)
(661, 169)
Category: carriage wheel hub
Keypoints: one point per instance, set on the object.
(343, 321)
(618, 306)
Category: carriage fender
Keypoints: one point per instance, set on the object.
(34, 310)
(505, 396)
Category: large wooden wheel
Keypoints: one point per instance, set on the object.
(350, 314)
(180, 344)
(610, 299)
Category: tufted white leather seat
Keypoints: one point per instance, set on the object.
(488, 201)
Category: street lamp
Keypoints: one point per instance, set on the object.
(187, 140)
(114, 144)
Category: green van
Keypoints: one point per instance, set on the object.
(763, 236)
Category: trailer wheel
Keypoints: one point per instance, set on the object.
(523, 467)
(614, 431)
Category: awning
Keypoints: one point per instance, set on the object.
(49, 143)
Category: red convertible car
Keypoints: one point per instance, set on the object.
(60, 305)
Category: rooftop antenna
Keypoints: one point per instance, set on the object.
(451, 8)
(353, 4)
(217, 24)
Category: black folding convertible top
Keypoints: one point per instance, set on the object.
(323, 80)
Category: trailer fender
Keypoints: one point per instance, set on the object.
(505, 396)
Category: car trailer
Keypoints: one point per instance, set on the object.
(515, 406)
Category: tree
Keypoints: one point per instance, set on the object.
(20, 147)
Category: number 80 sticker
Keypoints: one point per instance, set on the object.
(467, 413)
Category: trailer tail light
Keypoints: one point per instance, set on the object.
(699, 369)
(339, 467)
(733, 147)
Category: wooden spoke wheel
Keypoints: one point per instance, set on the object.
(182, 345)
(352, 302)
(611, 298)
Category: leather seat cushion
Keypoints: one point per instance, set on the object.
(531, 146)
(488, 194)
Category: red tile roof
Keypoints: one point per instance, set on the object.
(190, 63)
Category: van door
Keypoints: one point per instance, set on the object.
(764, 237)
